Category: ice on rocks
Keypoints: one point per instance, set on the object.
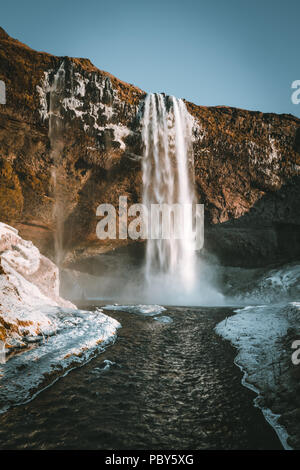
(256, 331)
(32, 311)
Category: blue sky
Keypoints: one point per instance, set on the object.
(242, 53)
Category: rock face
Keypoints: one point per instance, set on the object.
(246, 163)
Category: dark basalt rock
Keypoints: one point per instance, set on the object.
(268, 233)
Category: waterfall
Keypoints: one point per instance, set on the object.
(57, 173)
(168, 178)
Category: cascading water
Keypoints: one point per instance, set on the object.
(168, 179)
(56, 140)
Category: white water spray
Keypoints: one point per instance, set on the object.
(168, 178)
(56, 140)
(172, 273)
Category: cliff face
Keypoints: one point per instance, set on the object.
(246, 163)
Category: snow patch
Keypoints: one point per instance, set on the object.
(42, 92)
(163, 319)
(88, 105)
(80, 335)
(263, 286)
(145, 310)
(33, 314)
(256, 332)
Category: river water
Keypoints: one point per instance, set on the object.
(168, 384)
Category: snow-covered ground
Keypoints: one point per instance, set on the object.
(261, 286)
(154, 311)
(54, 334)
(259, 332)
(145, 310)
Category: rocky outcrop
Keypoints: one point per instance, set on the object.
(31, 308)
(32, 314)
(268, 233)
(263, 336)
(29, 290)
(246, 163)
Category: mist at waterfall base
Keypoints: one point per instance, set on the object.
(171, 271)
(167, 289)
(119, 277)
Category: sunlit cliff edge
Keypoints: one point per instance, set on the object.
(246, 163)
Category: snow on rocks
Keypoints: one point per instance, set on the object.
(31, 311)
(144, 310)
(29, 285)
(89, 98)
(257, 286)
(42, 90)
(258, 333)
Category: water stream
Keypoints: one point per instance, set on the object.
(168, 175)
(56, 126)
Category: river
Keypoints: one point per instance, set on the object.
(169, 385)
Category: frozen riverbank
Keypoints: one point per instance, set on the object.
(262, 335)
(161, 386)
(53, 334)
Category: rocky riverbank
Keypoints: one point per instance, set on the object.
(161, 386)
(264, 336)
(52, 333)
